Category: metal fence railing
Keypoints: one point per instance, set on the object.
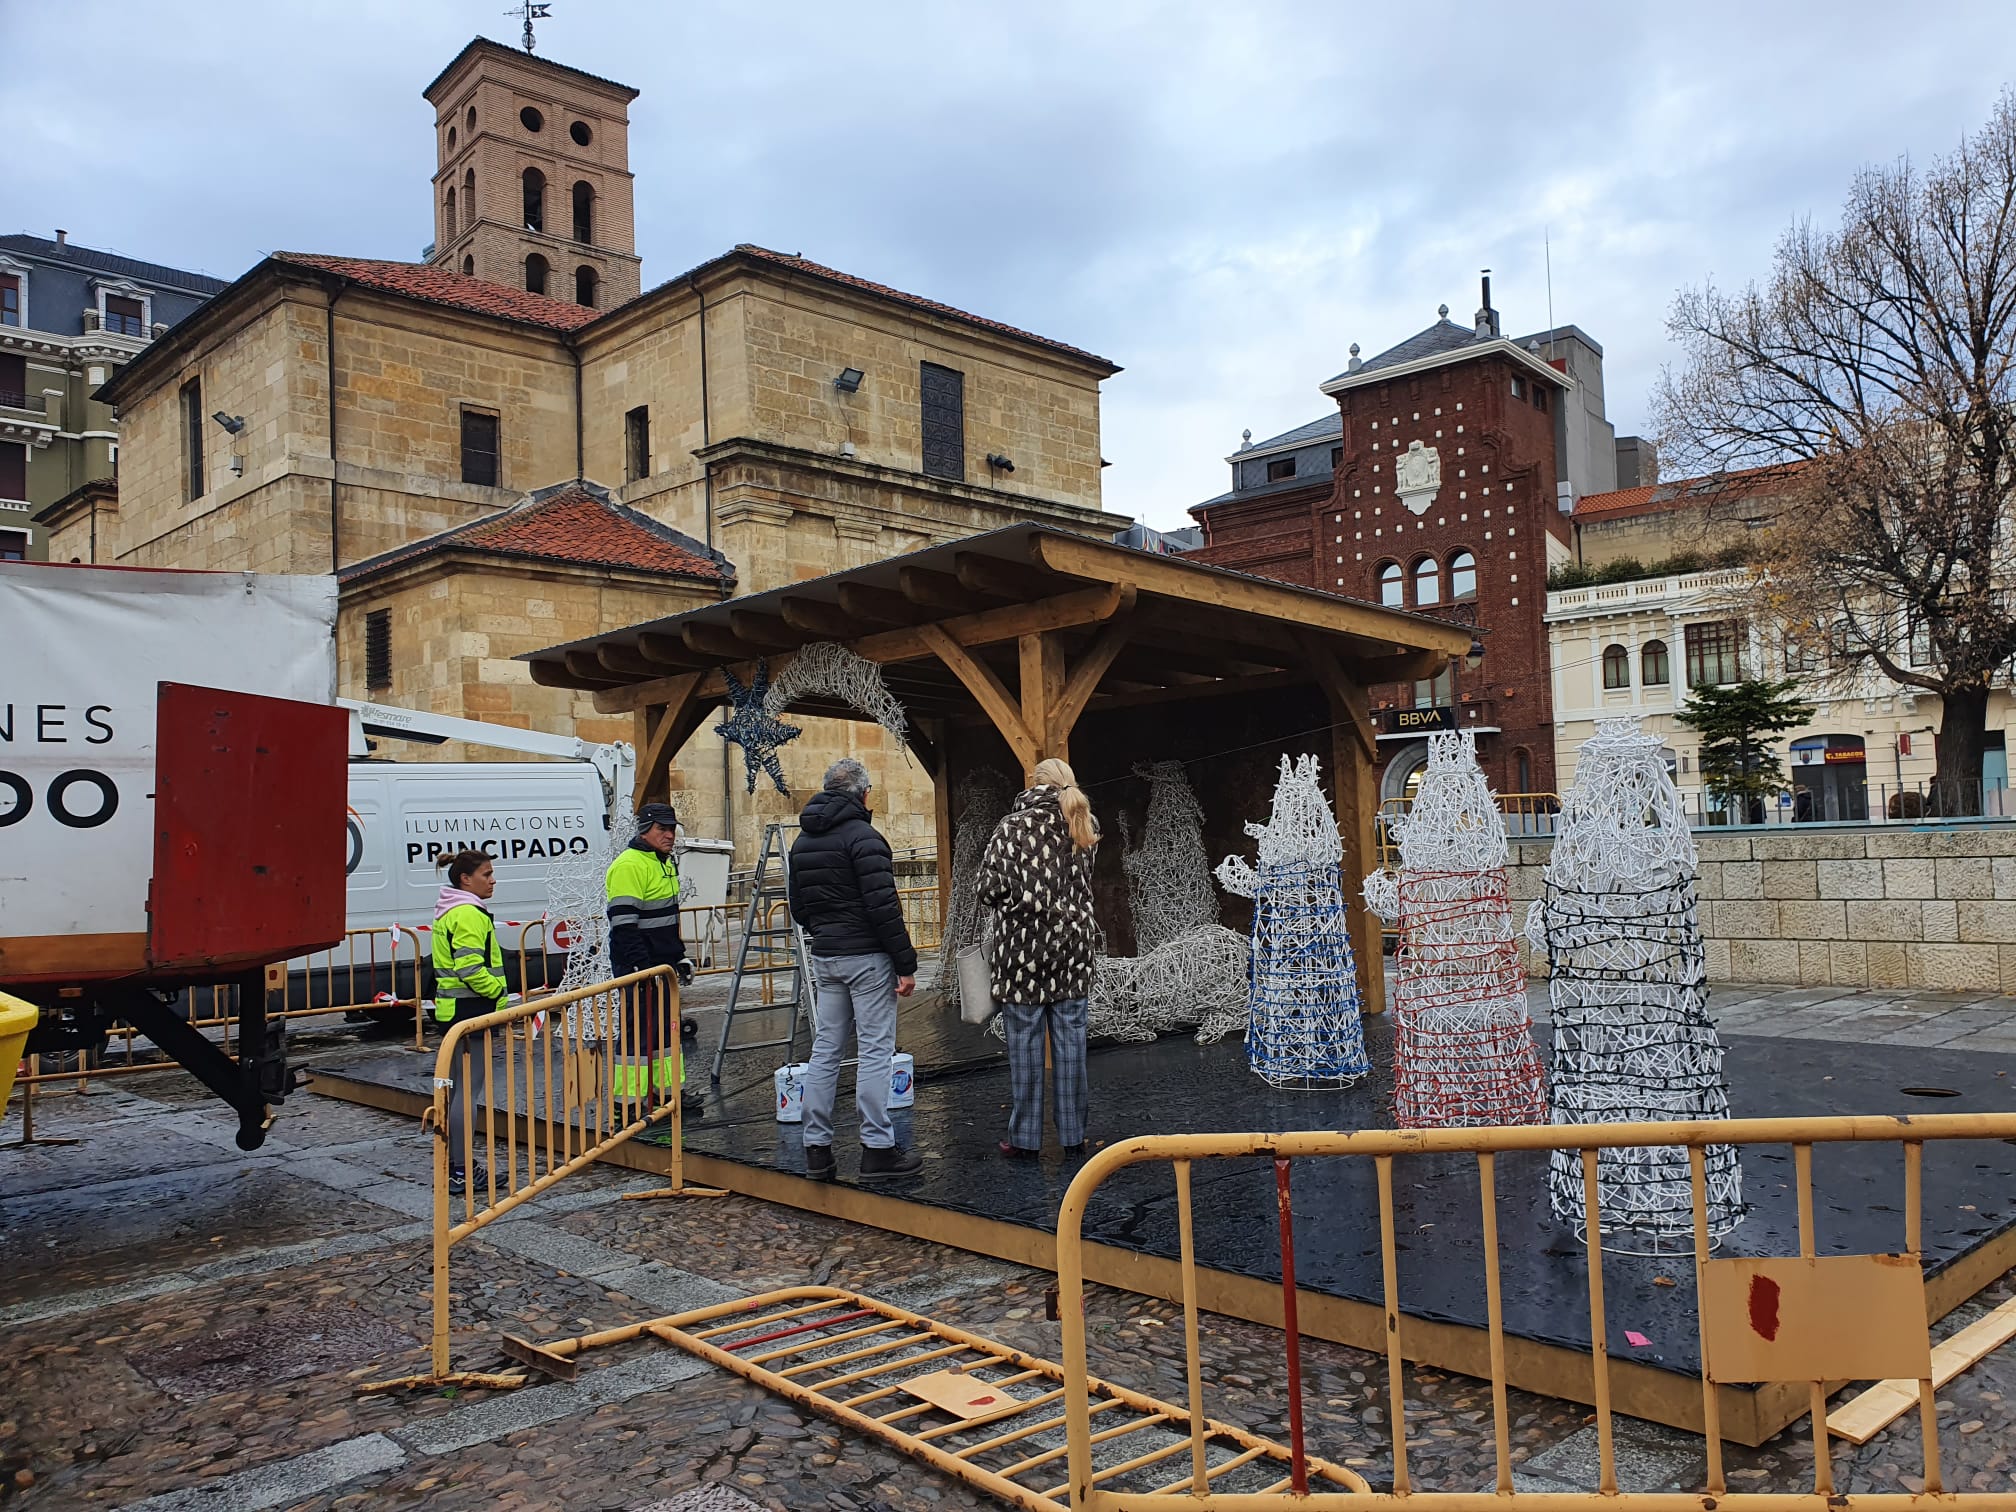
(1811, 1296)
(1859, 803)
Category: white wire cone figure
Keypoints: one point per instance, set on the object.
(1463, 1051)
(1303, 1029)
(1632, 1038)
(982, 799)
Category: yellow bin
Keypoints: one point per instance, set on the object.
(16, 1019)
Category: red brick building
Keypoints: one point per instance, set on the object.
(1443, 484)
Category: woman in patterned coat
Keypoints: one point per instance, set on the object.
(1037, 878)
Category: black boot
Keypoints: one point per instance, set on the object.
(894, 1161)
(819, 1163)
(692, 1104)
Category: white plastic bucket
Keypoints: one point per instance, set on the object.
(902, 1080)
(791, 1093)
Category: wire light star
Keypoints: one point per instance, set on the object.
(757, 731)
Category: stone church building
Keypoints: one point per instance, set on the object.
(508, 446)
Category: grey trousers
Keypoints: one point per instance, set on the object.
(468, 1068)
(1026, 1024)
(856, 993)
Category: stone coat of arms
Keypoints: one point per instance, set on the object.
(1417, 476)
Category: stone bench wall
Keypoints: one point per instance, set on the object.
(1876, 906)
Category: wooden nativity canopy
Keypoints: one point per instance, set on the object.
(1027, 626)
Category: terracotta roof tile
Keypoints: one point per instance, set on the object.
(1684, 493)
(441, 286)
(575, 523)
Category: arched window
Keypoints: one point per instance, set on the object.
(449, 218)
(1427, 582)
(1653, 670)
(535, 200)
(1616, 667)
(1522, 760)
(469, 266)
(451, 138)
(536, 268)
(1462, 575)
(584, 211)
(584, 286)
(1392, 585)
(469, 196)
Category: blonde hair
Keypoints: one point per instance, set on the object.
(1071, 798)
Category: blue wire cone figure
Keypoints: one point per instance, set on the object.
(1304, 1028)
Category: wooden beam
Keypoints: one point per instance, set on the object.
(1009, 580)
(716, 641)
(661, 730)
(1171, 578)
(1412, 666)
(1347, 697)
(811, 617)
(1042, 667)
(933, 590)
(587, 667)
(876, 605)
(941, 813)
(987, 691)
(626, 660)
(548, 675)
(767, 631)
(668, 651)
(1266, 682)
(1090, 669)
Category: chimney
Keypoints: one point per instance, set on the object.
(62, 237)
(1487, 318)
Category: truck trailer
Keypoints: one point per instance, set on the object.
(172, 770)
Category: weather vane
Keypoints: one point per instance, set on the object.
(531, 10)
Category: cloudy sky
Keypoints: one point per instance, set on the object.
(1219, 197)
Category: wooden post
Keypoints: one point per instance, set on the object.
(662, 728)
(942, 803)
(1042, 660)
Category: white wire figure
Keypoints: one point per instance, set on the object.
(1169, 872)
(1303, 1028)
(1628, 987)
(1463, 1051)
(829, 668)
(981, 799)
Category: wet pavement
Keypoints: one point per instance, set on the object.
(187, 1326)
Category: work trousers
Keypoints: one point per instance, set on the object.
(856, 993)
(467, 1068)
(1026, 1025)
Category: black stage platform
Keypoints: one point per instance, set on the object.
(970, 1196)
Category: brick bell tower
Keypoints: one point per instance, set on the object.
(532, 186)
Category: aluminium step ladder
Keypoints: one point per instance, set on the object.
(769, 950)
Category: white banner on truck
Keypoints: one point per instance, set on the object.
(85, 648)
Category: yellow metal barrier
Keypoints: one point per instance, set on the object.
(563, 1081)
(341, 980)
(920, 915)
(1882, 1294)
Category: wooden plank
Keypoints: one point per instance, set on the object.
(986, 689)
(1881, 1405)
(1279, 603)
(525, 1352)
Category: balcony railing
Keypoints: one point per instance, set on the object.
(34, 404)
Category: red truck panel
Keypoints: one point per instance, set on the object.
(249, 802)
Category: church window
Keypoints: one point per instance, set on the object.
(1462, 575)
(942, 391)
(378, 650)
(536, 268)
(479, 448)
(1427, 583)
(531, 120)
(581, 134)
(10, 301)
(1279, 468)
(469, 265)
(192, 439)
(1392, 585)
(448, 220)
(584, 211)
(535, 200)
(584, 286)
(1616, 667)
(469, 196)
(637, 443)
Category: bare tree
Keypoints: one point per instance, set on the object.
(1878, 361)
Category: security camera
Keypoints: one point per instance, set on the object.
(232, 423)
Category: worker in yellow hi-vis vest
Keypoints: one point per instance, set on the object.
(468, 977)
(642, 887)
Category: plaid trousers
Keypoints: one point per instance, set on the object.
(1025, 1026)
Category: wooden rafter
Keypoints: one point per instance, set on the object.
(1008, 580)
(876, 605)
(811, 617)
(764, 631)
(933, 590)
(994, 699)
(667, 650)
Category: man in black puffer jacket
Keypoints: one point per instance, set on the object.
(843, 894)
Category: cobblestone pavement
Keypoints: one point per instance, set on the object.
(187, 1326)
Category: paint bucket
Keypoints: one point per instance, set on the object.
(902, 1080)
(791, 1093)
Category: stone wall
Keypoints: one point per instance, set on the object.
(1887, 907)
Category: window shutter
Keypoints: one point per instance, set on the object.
(378, 650)
(943, 392)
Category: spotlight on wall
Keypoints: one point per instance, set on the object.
(849, 380)
(1000, 463)
(232, 423)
